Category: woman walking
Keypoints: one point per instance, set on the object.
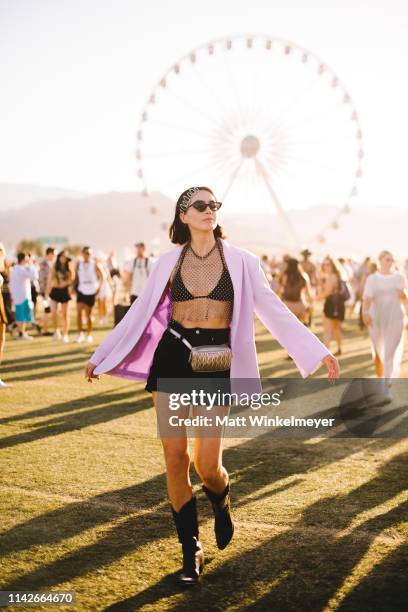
(59, 283)
(383, 312)
(331, 290)
(295, 290)
(204, 292)
(115, 274)
(104, 294)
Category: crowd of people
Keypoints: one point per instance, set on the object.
(37, 293)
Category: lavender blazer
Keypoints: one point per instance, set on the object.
(128, 350)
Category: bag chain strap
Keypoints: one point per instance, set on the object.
(180, 337)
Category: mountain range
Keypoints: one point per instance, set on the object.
(116, 220)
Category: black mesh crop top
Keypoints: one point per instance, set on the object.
(202, 287)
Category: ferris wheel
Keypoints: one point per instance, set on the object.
(264, 122)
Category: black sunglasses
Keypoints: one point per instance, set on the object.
(201, 206)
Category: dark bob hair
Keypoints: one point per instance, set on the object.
(179, 232)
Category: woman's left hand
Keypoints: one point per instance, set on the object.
(332, 366)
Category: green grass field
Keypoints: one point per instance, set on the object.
(319, 522)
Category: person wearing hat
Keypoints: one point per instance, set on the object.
(137, 272)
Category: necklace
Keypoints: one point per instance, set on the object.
(202, 256)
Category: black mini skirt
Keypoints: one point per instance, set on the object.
(60, 295)
(171, 358)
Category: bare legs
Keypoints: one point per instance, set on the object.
(21, 327)
(44, 321)
(337, 333)
(88, 316)
(331, 330)
(3, 385)
(379, 366)
(207, 463)
(102, 309)
(64, 316)
(2, 339)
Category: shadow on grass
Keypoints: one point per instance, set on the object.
(254, 466)
(75, 404)
(32, 367)
(35, 360)
(385, 584)
(45, 375)
(101, 410)
(309, 563)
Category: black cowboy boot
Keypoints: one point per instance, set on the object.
(223, 526)
(187, 531)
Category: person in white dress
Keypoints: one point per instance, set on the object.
(385, 293)
(105, 291)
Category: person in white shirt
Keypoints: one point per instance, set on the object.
(89, 278)
(20, 286)
(137, 272)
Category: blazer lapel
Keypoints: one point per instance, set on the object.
(164, 270)
(235, 267)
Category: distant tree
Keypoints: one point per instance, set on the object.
(74, 249)
(30, 246)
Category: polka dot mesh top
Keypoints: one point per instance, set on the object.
(201, 287)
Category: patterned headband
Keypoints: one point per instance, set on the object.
(187, 197)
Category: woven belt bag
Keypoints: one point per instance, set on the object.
(207, 358)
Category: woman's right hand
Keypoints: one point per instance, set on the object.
(89, 372)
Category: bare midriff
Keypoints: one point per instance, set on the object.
(205, 323)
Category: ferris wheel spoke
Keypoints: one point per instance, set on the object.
(220, 177)
(303, 182)
(317, 164)
(264, 174)
(174, 154)
(198, 111)
(294, 102)
(319, 114)
(181, 128)
(232, 179)
(247, 93)
(253, 101)
(237, 95)
(308, 157)
(233, 87)
(274, 166)
(208, 88)
(321, 142)
(196, 171)
(293, 175)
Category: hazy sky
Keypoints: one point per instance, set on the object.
(75, 75)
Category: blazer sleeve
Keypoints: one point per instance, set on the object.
(302, 345)
(123, 327)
